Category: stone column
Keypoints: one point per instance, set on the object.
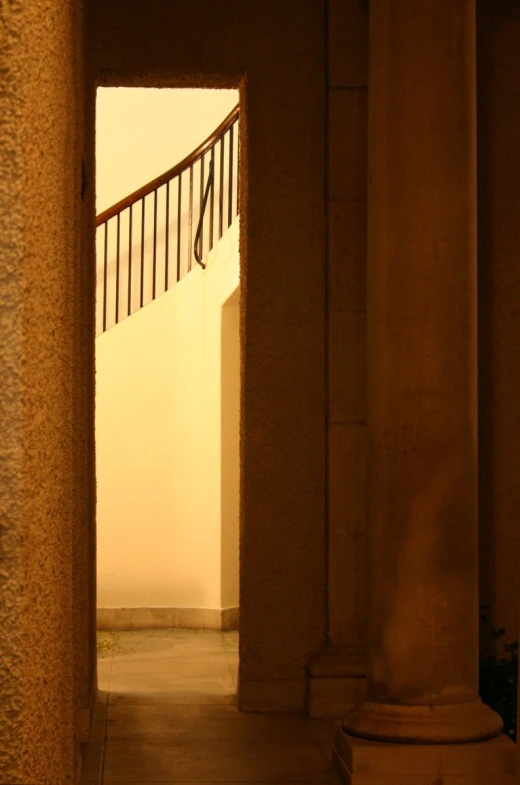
(422, 625)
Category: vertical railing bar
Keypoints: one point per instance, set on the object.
(233, 209)
(167, 238)
(118, 264)
(212, 201)
(105, 278)
(221, 190)
(190, 219)
(130, 261)
(230, 184)
(154, 271)
(238, 168)
(200, 206)
(143, 200)
(179, 214)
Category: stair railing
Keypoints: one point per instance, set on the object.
(142, 252)
(197, 247)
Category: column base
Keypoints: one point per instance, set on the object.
(335, 682)
(454, 723)
(361, 762)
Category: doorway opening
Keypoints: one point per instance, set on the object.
(167, 376)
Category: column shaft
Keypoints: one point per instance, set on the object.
(422, 668)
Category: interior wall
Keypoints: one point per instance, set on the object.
(276, 53)
(159, 411)
(347, 220)
(46, 349)
(229, 449)
(140, 133)
(499, 320)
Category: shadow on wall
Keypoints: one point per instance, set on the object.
(164, 399)
(230, 449)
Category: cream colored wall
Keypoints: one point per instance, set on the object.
(229, 448)
(159, 418)
(141, 133)
(167, 124)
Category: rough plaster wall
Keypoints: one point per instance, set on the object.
(275, 51)
(499, 317)
(41, 436)
(84, 532)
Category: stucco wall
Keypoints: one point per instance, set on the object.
(275, 53)
(499, 314)
(167, 446)
(46, 491)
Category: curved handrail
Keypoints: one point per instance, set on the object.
(162, 240)
(164, 178)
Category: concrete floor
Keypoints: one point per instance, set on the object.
(167, 714)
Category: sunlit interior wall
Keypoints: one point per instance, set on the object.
(140, 134)
(167, 386)
(167, 475)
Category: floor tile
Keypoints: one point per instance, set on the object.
(179, 639)
(104, 672)
(209, 760)
(170, 716)
(92, 763)
(176, 666)
(206, 722)
(161, 688)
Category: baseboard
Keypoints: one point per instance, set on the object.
(230, 618)
(271, 695)
(167, 618)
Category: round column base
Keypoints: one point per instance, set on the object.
(455, 723)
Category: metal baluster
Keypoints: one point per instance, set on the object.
(221, 190)
(230, 184)
(117, 264)
(143, 200)
(105, 277)
(179, 213)
(190, 219)
(238, 168)
(200, 206)
(130, 262)
(167, 236)
(154, 242)
(212, 201)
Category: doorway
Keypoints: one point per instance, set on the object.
(167, 360)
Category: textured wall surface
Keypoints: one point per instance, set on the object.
(275, 52)
(45, 440)
(499, 316)
(347, 189)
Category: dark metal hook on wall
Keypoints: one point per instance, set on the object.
(197, 247)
